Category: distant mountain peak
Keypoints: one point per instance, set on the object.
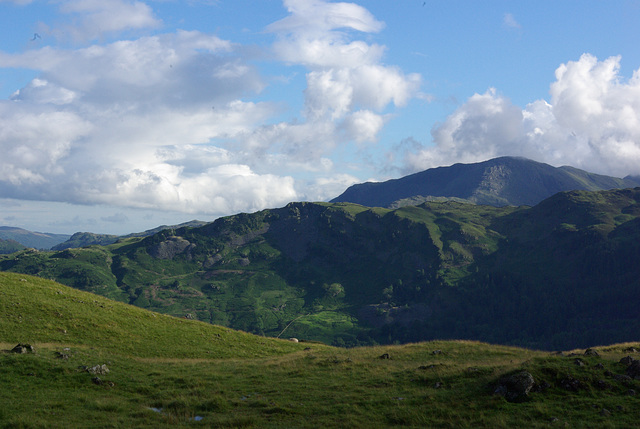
(503, 181)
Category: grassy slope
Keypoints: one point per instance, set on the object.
(229, 379)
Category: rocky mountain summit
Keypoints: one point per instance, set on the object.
(505, 181)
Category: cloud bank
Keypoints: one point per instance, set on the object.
(179, 121)
(168, 122)
(592, 121)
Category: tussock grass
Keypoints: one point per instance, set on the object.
(169, 372)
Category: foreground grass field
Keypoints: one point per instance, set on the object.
(169, 372)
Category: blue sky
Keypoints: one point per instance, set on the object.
(117, 116)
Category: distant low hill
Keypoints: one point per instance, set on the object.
(10, 246)
(13, 239)
(36, 240)
(505, 181)
(83, 239)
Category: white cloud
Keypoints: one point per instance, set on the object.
(129, 123)
(33, 140)
(327, 187)
(45, 93)
(319, 18)
(592, 122)
(91, 19)
(510, 21)
(347, 85)
(363, 126)
(167, 121)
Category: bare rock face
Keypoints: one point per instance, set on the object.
(515, 387)
(169, 248)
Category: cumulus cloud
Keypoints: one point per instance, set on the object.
(91, 19)
(130, 123)
(592, 122)
(348, 86)
(170, 121)
(315, 34)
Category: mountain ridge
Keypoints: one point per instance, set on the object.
(36, 240)
(347, 274)
(498, 182)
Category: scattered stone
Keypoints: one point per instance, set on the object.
(630, 350)
(602, 385)
(591, 352)
(189, 316)
(98, 370)
(604, 412)
(572, 384)
(60, 355)
(631, 392)
(578, 362)
(515, 387)
(599, 366)
(541, 387)
(384, 356)
(23, 348)
(97, 380)
(624, 379)
(438, 385)
(294, 340)
(633, 370)
(436, 352)
(306, 349)
(627, 360)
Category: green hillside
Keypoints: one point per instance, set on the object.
(91, 362)
(10, 246)
(562, 274)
